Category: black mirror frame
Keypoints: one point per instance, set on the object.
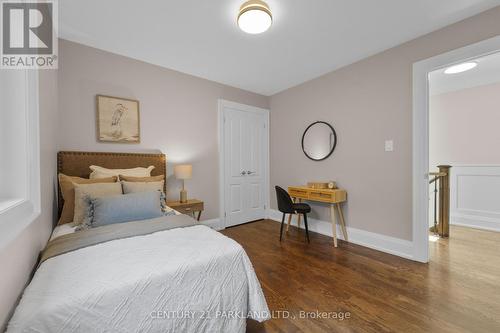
(334, 136)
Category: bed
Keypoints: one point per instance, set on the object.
(168, 274)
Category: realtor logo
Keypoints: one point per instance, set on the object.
(29, 34)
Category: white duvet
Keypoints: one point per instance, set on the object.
(190, 279)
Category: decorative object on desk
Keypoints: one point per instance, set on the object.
(183, 171)
(317, 185)
(117, 120)
(322, 185)
(319, 141)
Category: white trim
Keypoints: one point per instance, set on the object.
(420, 138)
(467, 204)
(472, 221)
(248, 108)
(25, 210)
(396, 246)
(33, 133)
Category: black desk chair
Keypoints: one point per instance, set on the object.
(286, 206)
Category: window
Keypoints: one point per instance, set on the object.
(19, 150)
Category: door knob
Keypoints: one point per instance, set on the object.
(250, 172)
(243, 173)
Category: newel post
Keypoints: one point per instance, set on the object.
(444, 201)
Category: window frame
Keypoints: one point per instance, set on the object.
(17, 213)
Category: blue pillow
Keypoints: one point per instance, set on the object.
(124, 208)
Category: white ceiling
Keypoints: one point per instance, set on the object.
(308, 37)
(487, 71)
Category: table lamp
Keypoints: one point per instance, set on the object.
(183, 171)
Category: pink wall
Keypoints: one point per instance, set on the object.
(367, 102)
(464, 127)
(178, 113)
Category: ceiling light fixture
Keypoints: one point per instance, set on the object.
(254, 17)
(460, 68)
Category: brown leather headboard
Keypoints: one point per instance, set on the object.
(76, 163)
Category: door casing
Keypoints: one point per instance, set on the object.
(420, 139)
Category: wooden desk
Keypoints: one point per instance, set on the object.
(333, 197)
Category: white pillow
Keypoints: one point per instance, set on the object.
(100, 172)
(133, 187)
(83, 191)
(63, 229)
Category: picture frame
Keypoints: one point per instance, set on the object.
(118, 119)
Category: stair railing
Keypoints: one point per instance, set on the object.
(441, 216)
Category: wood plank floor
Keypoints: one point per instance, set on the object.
(458, 291)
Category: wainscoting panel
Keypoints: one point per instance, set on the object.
(475, 196)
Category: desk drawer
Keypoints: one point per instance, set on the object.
(322, 196)
(296, 193)
(189, 209)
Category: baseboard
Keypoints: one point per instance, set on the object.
(396, 246)
(214, 224)
(476, 222)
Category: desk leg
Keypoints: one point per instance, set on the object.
(199, 215)
(334, 225)
(289, 218)
(298, 217)
(342, 222)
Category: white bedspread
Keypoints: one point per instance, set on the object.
(181, 280)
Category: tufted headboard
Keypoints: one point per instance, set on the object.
(76, 163)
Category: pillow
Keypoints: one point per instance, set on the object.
(134, 187)
(100, 172)
(66, 183)
(124, 208)
(142, 179)
(83, 191)
(61, 230)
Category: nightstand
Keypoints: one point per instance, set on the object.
(188, 208)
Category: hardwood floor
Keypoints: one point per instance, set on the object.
(458, 291)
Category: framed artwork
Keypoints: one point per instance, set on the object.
(117, 120)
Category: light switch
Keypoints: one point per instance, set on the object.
(389, 145)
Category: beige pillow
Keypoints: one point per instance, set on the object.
(133, 187)
(66, 183)
(142, 179)
(82, 191)
(100, 172)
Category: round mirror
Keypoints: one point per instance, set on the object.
(319, 140)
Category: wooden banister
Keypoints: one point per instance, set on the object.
(444, 201)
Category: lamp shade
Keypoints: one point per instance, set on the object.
(183, 171)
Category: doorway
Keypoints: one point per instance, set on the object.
(421, 98)
(463, 135)
(244, 162)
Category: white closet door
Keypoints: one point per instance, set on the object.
(255, 177)
(245, 148)
(235, 135)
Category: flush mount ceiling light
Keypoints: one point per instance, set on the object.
(254, 17)
(460, 68)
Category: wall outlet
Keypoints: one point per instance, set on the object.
(389, 145)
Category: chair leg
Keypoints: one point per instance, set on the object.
(281, 228)
(307, 230)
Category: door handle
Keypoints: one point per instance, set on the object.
(243, 173)
(250, 172)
